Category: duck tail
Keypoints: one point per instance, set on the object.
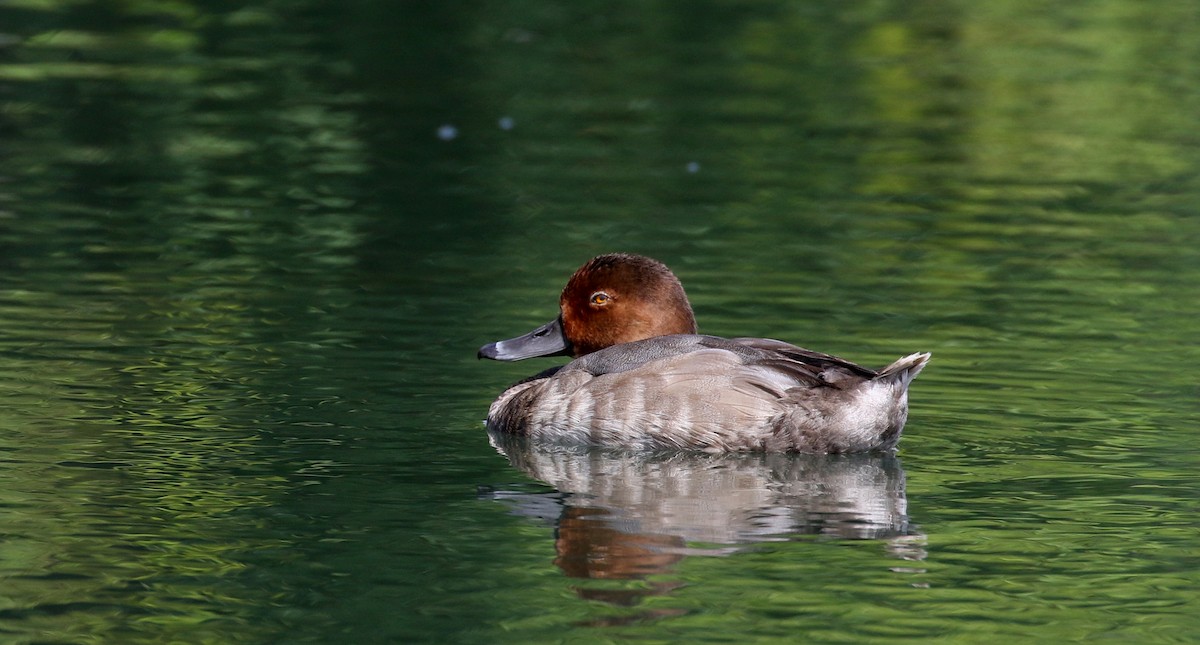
(904, 370)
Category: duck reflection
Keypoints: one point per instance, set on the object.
(631, 515)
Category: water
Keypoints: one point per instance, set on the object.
(247, 255)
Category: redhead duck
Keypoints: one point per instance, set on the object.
(642, 378)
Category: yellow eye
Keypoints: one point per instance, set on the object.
(600, 298)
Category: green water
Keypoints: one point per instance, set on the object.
(247, 253)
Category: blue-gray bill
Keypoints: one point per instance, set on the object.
(547, 340)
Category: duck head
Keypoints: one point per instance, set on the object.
(612, 299)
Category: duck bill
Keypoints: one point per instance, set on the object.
(547, 340)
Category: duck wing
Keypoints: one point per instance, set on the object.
(816, 360)
(768, 364)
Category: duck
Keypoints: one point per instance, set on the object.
(643, 378)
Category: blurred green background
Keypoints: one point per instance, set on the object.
(247, 252)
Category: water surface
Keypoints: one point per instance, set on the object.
(247, 254)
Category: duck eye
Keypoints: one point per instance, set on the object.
(600, 298)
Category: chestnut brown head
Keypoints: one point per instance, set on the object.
(619, 298)
(613, 299)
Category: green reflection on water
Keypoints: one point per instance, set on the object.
(242, 280)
